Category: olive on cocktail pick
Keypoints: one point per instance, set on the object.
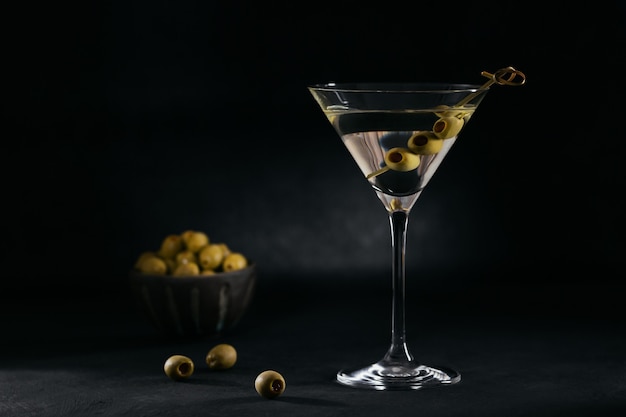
(447, 127)
(425, 143)
(451, 119)
(458, 112)
(401, 159)
(444, 110)
(397, 159)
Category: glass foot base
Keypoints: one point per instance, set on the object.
(405, 377)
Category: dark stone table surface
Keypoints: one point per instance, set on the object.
(554, 350)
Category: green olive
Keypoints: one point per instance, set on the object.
(447, 127)
(178, 367)
(189, 247)
(425, 143)
(447, 111)
(186, 256)
(444, 110)
(234, 261)
(458, 112)
(171, 264)
(142, 257)
(153, 266)
(185, 235)
(170, 246)
(190, 268)
(222, 356)
(211, 256)
(195, 240)
(225, 248)
(401, 159)
(269, 384)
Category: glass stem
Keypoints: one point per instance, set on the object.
(398, 351)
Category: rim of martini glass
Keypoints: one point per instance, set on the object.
(399, 87)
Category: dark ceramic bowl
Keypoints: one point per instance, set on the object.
(194, 306)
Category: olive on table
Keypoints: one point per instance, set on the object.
(270, 384)
(222, 356)
(178, 367)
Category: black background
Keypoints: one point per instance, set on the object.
(128, 121)
(124, 122)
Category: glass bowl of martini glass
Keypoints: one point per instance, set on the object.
(398, 134)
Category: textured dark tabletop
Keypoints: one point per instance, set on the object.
(543, 352)
(126, 121)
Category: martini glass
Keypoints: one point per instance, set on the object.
(398, 134)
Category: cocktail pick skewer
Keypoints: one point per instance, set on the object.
(378, 172)
(503, 76)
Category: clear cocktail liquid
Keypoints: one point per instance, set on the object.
(369, 136)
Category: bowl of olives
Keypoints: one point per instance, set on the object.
(193, 287)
